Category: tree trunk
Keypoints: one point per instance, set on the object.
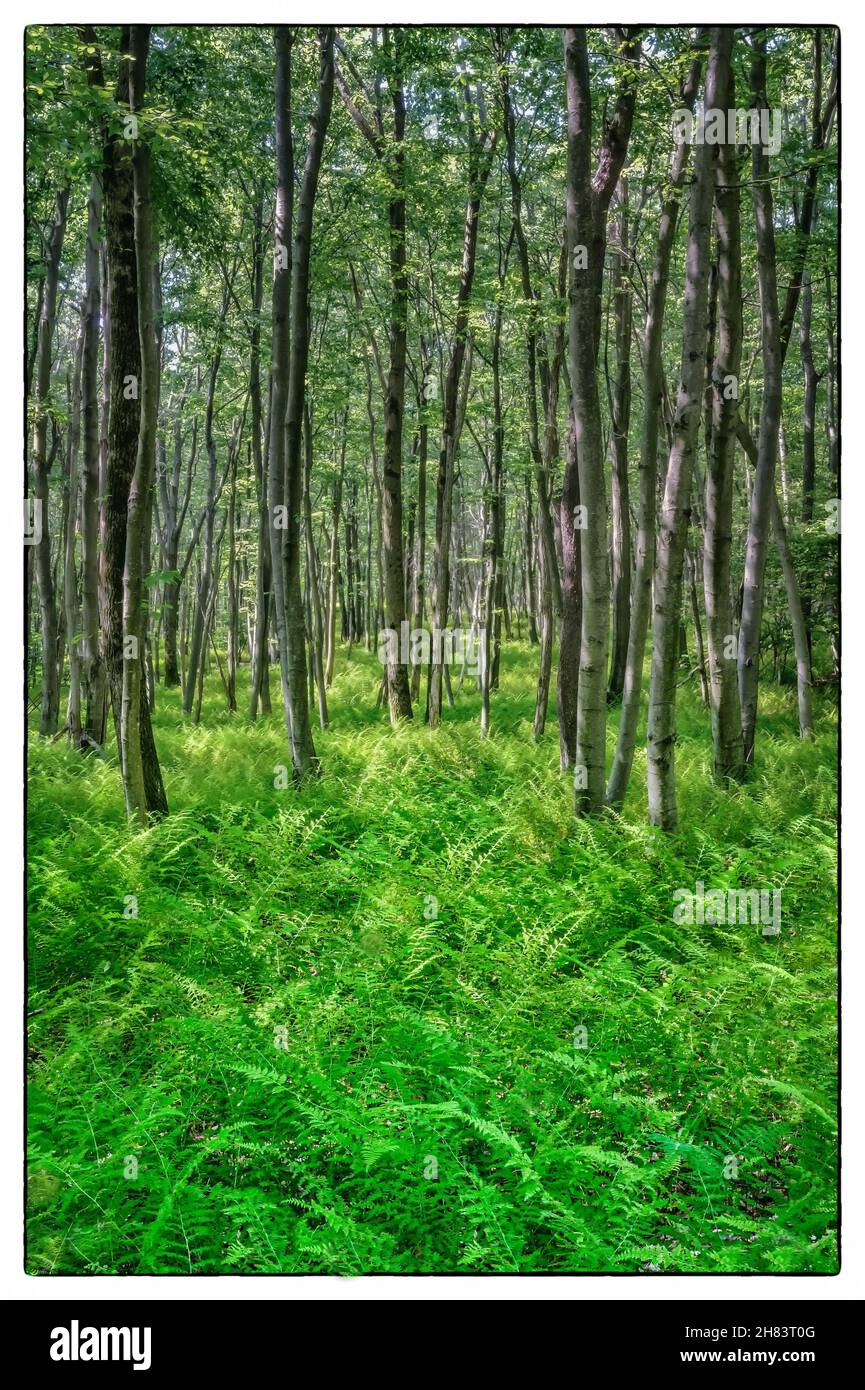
(528, 554)
(282, 237)
(568, 673)
(333, 575)
(492, 530)
(760, 520)
(122, 441)
(316, 662)
(92, 669)
(728, 757)
(399, 697)
(135, 748)
(303, 756)
(797, 617)
(831, 382)
(70, 569)
(620, 409)
(198, 636)
(232, 596)
(587, 203)
(258, 654)
(675, 512)
(420, 534)
(39, 469)
(480, 161)
(641, 601)
(699, 649)
(554, 604)
(550, 583)
(810, 402)
(174, 511)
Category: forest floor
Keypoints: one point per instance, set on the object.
(344, 1032)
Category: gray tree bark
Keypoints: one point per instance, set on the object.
(134, 695)
(760, 519)
(93, 684)
(728, 754)
(675, 511)
(620, 411)
(39, 470)
(481, 150)
(587, 204)
(303, 755)
(652, 386)
(391, 154)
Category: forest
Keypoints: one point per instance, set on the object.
(432, 533)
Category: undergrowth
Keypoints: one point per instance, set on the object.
(344, 1032)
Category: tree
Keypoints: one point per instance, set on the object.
(391, 155)
(132, 393)
(142, 779)
(623, 758)
(39, 466)
(675, 509)
(760, 518)
(588, 201)
(293, 637)
(718, 528)
(481, 147)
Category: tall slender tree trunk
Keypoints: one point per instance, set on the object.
(550, 583)
(809, 409)
(127, 444)
(198, 636)
(492, 530)
(554, 607)
(675, 512)
(303, 755)
(798, 622)
(776, 334)
(797, 618)
(831, 381)
(786, 489)
(135, 750)
(620, 425)
(641, 600)
(232, 653)
(39, 469)
(419, 565)
(760, 520)
(316, 662)
(587, 204)
(529, 570)
(399, 696)
(568, 673)
(279, 368)
(500, 612)
(809, 425)
(92, 669)
(728, 754)
(699, 648)
(174, 509)
(258, 655)
(333, 572)
(480, 161)
(391, 155)
(70, 567)
(584, 289)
